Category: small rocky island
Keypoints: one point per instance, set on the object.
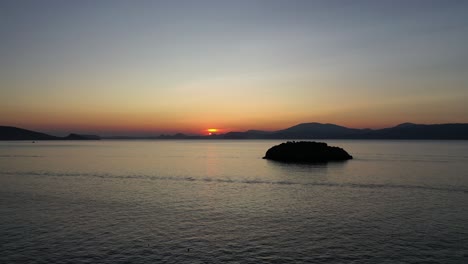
(306, 151)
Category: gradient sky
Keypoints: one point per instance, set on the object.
(150, 67)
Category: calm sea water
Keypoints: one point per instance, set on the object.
(219, 201)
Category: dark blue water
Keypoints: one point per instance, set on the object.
(218, 201)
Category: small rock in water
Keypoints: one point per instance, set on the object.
(306, 151)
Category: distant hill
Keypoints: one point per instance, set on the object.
(318, 130)
(417, 131)
(300, 131)
(332, 131)
(81, 137)
(14, 133)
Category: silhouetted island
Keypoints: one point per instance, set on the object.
(304, 131)
(315, 131)
(331, 131)
(15, 133)
(306, 151)
(73, 136)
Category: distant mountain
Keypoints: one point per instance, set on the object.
(300, 131)
(318, 130)
(14, 133)
(176, 136)
(81, 137)
(332, 131)
(417, 131)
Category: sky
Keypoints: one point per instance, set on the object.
(152, 67)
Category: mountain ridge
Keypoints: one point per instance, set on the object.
(312, 130)
(16, 133)
(315, 130)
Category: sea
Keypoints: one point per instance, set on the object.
(218, 201)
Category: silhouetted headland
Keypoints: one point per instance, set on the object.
(14, 133)
(81, 137)
(306, 151)
(455, 131)
(332, 131)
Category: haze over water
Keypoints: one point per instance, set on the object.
(218, 201)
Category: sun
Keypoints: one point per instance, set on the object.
(211, 131)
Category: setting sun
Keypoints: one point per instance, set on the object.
(211, 131)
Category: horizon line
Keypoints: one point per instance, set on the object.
(159, 134)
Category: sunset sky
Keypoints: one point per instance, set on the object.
(151, 67)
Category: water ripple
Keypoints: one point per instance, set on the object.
(244, 181)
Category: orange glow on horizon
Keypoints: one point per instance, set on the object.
(147, 123)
